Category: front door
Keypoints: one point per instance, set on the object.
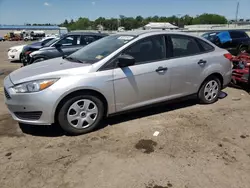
(69, 45)
(146, 81)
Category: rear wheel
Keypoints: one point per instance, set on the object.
(210, 90)
(243, 49)
(81, 114)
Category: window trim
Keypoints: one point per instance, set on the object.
(205, 51)
(113, 59)
(53, 45)
(195, 39)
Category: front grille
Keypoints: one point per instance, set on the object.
(28, 115)
(6, 94)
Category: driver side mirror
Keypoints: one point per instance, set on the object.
(125, 60)
(58, 45)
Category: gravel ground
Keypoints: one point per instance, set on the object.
(197, 146)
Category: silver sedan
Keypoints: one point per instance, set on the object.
(116, 74)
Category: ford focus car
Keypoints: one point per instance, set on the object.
(116, 74)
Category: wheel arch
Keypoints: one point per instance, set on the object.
(39, 56)
(216, 74)
(79, 92)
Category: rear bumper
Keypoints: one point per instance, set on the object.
(227, 79)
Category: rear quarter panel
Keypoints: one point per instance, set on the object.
(217, 63)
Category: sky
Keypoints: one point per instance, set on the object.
(56, 11)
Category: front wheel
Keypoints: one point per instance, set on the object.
(210, 90)
(81, 114)
(39, 59)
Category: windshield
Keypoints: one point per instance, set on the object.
(51, 42)
(101, 48)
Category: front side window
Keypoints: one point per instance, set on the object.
(147, 50)
(100, 49)
(70, 40)
(184, 46)
(51, 42)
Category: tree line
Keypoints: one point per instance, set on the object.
(136, 22)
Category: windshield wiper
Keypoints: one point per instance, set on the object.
(72, 59)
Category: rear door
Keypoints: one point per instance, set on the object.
(186, 65)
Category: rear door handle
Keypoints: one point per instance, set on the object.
(202, 62)
(161, 69)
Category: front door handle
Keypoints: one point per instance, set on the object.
(161, 69)
(202, 62)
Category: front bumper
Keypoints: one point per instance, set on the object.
(29, 108)
(13, 56)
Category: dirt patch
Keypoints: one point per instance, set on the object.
(147, 146)
(153, 185)
(9, 127)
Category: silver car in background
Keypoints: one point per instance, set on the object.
(115, 74)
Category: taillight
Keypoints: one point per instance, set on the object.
(228, 56)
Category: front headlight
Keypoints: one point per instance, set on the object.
(34, 86)
(14, 50)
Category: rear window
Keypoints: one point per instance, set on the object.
(184, 46)
(205, 46)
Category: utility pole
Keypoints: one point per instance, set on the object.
(118, 23)
(237, 12)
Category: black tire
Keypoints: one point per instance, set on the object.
(243, 49)
(62, 115)
(201, 93)
(21, 58)
(39, 59)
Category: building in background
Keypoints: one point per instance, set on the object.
(49, 30)
(160, 25)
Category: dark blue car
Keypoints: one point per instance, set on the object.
(36, 46)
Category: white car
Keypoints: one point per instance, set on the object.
(14, 53)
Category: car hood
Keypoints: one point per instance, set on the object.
(17, 47)
(52, 68)
(36, 44)
(47, 48)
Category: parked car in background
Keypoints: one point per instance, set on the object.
(2, 39)
(234, 41)
(115, 74)
(48, 41)
(67, 44)
(15, 52)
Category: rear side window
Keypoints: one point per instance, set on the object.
(184, 46)
(236, 35)
(205, 46)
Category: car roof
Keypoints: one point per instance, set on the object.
(240, 31)
(153, 32)
(86, 33)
